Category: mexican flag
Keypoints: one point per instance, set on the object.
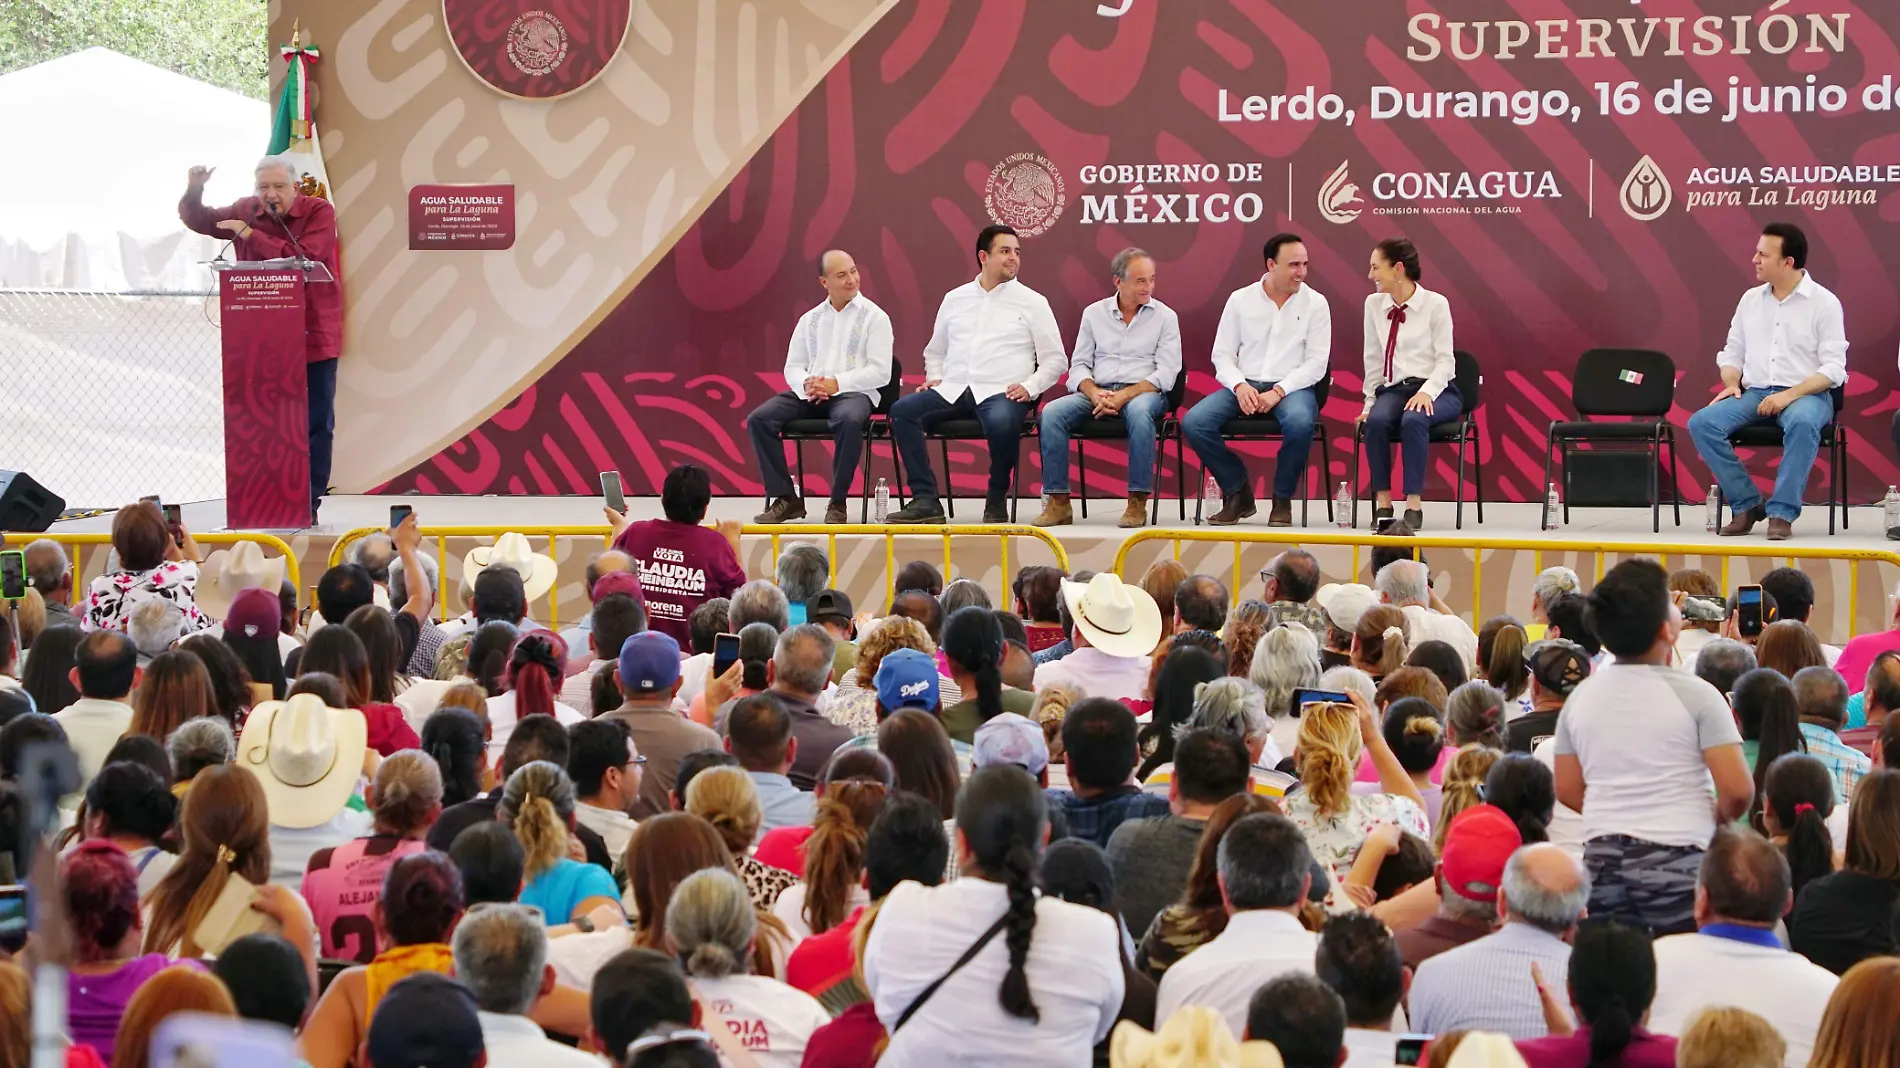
(294, 131)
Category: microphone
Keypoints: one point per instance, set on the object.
(285, 227)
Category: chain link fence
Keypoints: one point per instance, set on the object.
(107, 397)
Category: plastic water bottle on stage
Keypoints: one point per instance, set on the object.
(1553, 509)
(1210, 496)
(1342, 507)
(881, 501)
(1890, 507)
(1715, 509)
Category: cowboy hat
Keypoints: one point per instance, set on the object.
(1118, 619)
(1194, 1037)
(308, 756)
(241, 567)
(512, 550)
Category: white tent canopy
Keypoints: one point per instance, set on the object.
(101, 145)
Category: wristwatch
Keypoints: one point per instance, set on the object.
(584, 925)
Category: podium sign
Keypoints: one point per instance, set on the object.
(266, 409)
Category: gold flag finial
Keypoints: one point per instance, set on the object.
(296, 33)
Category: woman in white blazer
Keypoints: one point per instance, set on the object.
(1409, 375)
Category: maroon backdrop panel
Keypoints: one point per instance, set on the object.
(537, 48)
(266, 412)
(1566, 182)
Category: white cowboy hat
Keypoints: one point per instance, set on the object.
(229, 572)
(308, 756)
(1118, 619)
(512, 550)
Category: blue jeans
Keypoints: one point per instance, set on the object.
(1298, 413)
(320, 380)
(1801, 424)
(914, 415)
(1414, 430)
(1060, 419)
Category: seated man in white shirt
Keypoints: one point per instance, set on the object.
(1116, 629)
(1127, 357)
(1271, 348)
(1407, 586)
(838, 359)
(1265, 873)
(1735, 958)
(501, 955)
(616, 617)
(605, 766)
(994, 349)
(105, 673)
(1786, 348)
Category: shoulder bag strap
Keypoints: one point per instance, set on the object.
(968, 955)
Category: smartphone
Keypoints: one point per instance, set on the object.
(174, 514)
(1748, 611)
(13, 574)
(725, 653)
(1307, 697)
(398, 513)
(200, 1040)
(610, 489)
(153, 498)
(15, 918)
(1410, 1049)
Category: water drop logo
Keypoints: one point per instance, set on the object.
(1646, 193)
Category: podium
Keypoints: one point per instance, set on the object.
(266, 406)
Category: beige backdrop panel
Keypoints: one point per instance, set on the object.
(607, 179)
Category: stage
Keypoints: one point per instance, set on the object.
(1513, 547)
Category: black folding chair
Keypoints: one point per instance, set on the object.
(1267, 428)
(1833, 439)
(800, 431)
(1639, 384)
(972, 430)
(1115, 428)
(1461, 431)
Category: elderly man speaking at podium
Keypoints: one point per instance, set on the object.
(281, 222)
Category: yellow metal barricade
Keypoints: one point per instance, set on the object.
(776, 532)
(267, 542)
(1478, 546)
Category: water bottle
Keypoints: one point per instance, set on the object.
(1715, 510)
(1891, 504)
(1553, 509)
(1342, 507)
(881, 500)
(1211, 496)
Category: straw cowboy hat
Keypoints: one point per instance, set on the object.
(1118, 619)
(230, 571)
(1194, 1037)
(512, 550)
(308, 756)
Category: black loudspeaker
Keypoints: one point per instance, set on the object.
(1609, 478)
(25, 505)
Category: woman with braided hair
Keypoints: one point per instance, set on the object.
(984, 966)
(529, 684)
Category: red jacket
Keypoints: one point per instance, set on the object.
(313, 221)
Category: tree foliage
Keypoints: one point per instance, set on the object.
(222, 42)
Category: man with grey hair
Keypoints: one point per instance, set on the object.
(279, 221)
(1407, 586)
(1288, 584)
(1483, 986)
(373, 553)
(153, 626)
(1820, 697)
(1470, 868)
(1272, 346)
(1722, 661)
(501, 955)
(1127, 357)
(758, 601)
(799, 672)
(197, 744)
(803, 570)
(838, 360)
(52, 574)
(1265, 872)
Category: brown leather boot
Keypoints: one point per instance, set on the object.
(783, 510)
(1237, 506)
(1055, 511)
(1779, 529)
(1282, 514)
(1136, 514)
(836, 515)
(1741, 523)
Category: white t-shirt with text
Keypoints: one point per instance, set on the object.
(771, 1020)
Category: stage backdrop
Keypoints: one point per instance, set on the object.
(1576, 174)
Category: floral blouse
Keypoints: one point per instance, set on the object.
(1335, 840)
(111, 598)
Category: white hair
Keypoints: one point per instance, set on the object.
(1285, 659)
(1231, 705)
(291, 171)
(1552, 581)
(1345, 679)
(1405, 582)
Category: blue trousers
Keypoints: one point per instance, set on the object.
(1141, 415)
(320, 380)
(914, 415)
(1413, 428)
(1298, 413)
(1800, 423)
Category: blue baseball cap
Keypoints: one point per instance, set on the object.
(649, 661)
(907, 678)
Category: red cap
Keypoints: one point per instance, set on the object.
(620, 582)
(1481, 839)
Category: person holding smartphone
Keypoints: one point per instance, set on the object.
(156, 560)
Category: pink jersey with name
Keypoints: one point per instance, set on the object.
(343, 884)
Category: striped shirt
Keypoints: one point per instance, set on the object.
(1486, 985)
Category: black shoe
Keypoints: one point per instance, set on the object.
(995, 513)
(921, 510)
(1381, 519)
(1893, 533)
(1415, 518)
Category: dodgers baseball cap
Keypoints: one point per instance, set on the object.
(907, 678)
(425, 1021)
(1010, 739)
(1477, 845)
(649, 661)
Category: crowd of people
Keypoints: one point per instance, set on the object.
(1142, 822)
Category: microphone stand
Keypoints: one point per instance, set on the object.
(302, 256)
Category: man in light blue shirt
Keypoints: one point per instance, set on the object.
(760, 736)
(1127, 357)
